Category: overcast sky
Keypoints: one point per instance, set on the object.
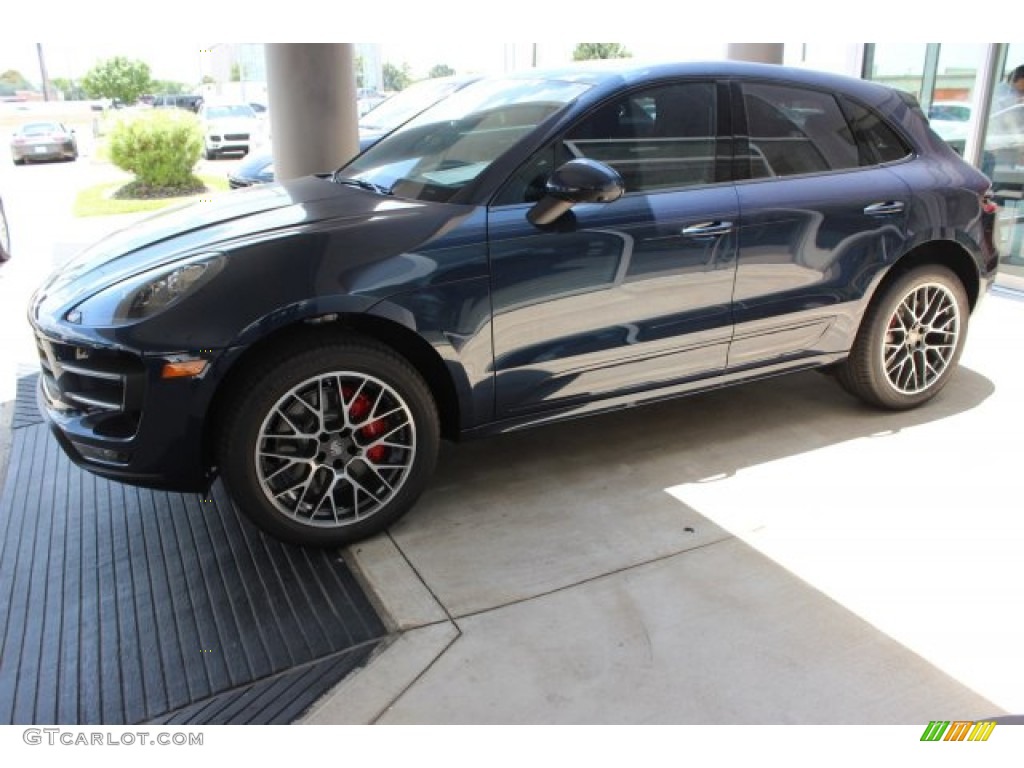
(181, 61)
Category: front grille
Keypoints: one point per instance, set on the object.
(236, 137)
(101, 384)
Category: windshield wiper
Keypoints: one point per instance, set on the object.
(361, 183)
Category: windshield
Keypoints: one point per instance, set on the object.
(408, 103)
(442, 150)
(233, 110)
(39, 129)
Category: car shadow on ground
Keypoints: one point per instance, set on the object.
(570, 501)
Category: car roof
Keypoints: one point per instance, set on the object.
(617, 72)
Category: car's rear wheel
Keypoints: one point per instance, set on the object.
(909, 341)
(330, 443)
(210, 154)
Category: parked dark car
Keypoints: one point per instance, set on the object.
(533, 248)
(189, 101)
(5, 234)
(258, 168)
(43, 140)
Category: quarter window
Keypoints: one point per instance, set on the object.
(794, 131)
(878, 142)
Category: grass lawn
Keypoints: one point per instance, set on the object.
(97, 200)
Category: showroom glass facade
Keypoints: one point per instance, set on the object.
(949, 80)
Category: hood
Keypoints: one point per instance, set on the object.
(208, 226)
(233, 125)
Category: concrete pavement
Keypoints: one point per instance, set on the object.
(772, 553)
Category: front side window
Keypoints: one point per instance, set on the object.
(438, 153)
(794, 131)
(657, 138)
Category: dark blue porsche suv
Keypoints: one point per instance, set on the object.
(535, 247)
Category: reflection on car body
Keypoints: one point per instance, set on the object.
(387, 115)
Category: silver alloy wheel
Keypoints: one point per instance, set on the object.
(335, 449)
(921, 338)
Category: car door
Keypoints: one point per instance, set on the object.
(626, 296)
(820, 216)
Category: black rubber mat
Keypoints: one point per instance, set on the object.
(275, 701)
(120, 605)
(26, 413)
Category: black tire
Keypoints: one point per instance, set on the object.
(210, 154)
(340, 476)
(18, 160)
(909, 341)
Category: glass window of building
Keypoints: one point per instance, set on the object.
(1003, 161)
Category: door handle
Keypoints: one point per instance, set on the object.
(884, 209)
(708, 229)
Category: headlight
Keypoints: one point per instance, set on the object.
(148, 293)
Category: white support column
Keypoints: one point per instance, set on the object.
(988, 77)
(313, 113)
(766, 53)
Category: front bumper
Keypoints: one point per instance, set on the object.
(114, 414)
(229, 142)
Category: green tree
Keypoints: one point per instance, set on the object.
(208, 80)
(584, 51)
(395, 78)
(117, 78)
(12, 80)
(171, 87)
(360, 75)
(440, 70)
(72, 91)
(237, 72)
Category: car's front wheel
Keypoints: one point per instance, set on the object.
(331, 443)
(909, 341)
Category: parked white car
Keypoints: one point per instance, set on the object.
(950, 119)
(229, 128)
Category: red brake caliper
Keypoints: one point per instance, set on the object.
(357, 411)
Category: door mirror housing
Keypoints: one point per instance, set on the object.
(578, 181)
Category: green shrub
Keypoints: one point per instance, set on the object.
(161, 147)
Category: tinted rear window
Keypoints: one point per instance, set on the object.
(877, 142)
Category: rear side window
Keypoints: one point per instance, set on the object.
(795, 131)
(877, 142)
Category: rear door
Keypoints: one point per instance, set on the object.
(820, 214)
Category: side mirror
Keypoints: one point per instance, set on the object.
(577, 181)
